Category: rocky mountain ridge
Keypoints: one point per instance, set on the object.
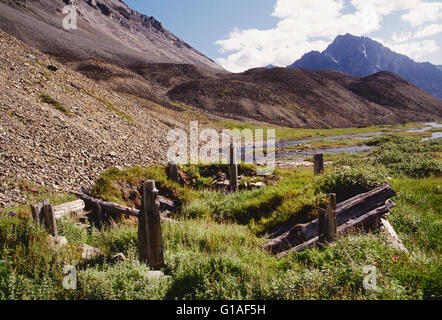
(108, 30)
(362, 56)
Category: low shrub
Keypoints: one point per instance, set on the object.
(407, 156)
(347, 183)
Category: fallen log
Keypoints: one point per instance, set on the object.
(392, 237)
(367, 220)
(166, 204)
(107, 206)
(349, 209)
(115, 208)
(365, 201)
(67, 208)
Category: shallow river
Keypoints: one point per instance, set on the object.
(352, 149)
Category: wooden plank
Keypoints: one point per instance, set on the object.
(67, 208)
(318, 164)
(350, 209)
(365, 220)
(119, 209)
(392, 236)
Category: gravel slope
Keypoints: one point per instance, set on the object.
(67, 149)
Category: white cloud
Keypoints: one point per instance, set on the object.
(428, 31)
(415, 50)
(424, 12)
(401, 37)
(306, 25)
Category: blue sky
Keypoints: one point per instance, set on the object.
(240, 34)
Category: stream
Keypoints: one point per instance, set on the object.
(361, 136)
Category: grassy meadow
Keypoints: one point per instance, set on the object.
(215, 249)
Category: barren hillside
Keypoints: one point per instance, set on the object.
(108, 30)
(303, 98)
(60, 129)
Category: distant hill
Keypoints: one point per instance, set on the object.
(361, 56)
(304, 98)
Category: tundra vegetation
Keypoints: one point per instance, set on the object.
(215, 249)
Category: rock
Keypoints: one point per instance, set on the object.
(58, 242)
(258, 185)
(118, 257)
(88, 252)
(155, 274)
(31, 57)
(52, 68)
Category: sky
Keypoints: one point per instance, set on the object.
(243, 34)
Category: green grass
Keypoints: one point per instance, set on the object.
(111, 107)
(284, 133)
(207, 260)
(215, 250)
(49, 100)
(116, 110)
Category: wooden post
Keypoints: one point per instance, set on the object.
(327, 222)
(233, 169)
(37, 212)
(98, 217)
(49, 219)
(172, 171)
(318, 164)
(150, 244)
(322, 226)
(331, 220)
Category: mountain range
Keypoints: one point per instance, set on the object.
(362, 56)
(107, 30)
(133, 54)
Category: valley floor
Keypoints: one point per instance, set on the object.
(215, 250)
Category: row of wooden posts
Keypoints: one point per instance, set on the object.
(150, 244)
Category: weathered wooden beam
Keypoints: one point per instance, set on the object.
(349, 209)
(365, 201)
(366, 220)
(392, 236)
(119, 209)
(67, 208)
(107, 206)
(150, 245)
(318, 164)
